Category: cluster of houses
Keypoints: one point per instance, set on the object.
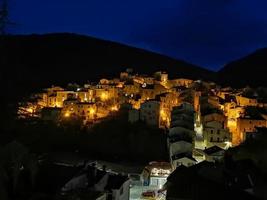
(201, 119)
(151, 99)
(206, 114)
(57, 175)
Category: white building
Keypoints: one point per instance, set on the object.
(184, 159)
(156, 173)
(115, 186)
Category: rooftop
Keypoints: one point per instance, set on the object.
(182, 155)
(212, 150)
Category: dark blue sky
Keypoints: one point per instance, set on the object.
(208, 33)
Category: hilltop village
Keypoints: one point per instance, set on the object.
(217, 116)
(201, 119)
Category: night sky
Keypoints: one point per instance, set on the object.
(208, 33)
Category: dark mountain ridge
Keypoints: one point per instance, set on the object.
(35, 61)
(250, 70)
(32, 62)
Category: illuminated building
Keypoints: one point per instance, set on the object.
(104, 81)
(214, 117)
(197, 96)
(178, 151)
(147, 91)
(167, 102)
(51, 100)
(53, 90)
(148, 80)
(86, 110)
(42, 100)
(61, 96)
(210, 154)
(84, 96)
(216, 102)
(182, 159)
(156, 173)
(248, 124)
(181, 82)
(215, 133)
(245, 101)
(131, 89)
(70, 107)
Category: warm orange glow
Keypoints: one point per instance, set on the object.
(114, 108)
(104, 96)
(163, 115)
(30, 110)
(136, 106)
(120, 85)
(67, 114)
(92, 111)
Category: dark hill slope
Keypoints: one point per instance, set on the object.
(34, 61)
(250, 70)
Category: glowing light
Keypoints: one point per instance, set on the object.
(104, 96)
(120, 85)
(67, 114)
(92, 111)
(30, 110)
(114, 108)
(228, 144)
(160, 172)
(163, 115)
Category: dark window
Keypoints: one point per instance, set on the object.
(218, 132)
(211, 131)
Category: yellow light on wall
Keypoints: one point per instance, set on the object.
(114, 108)
(163, 115)
(30, 110)
(104, 96)
(67, 114)
(92, 111)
